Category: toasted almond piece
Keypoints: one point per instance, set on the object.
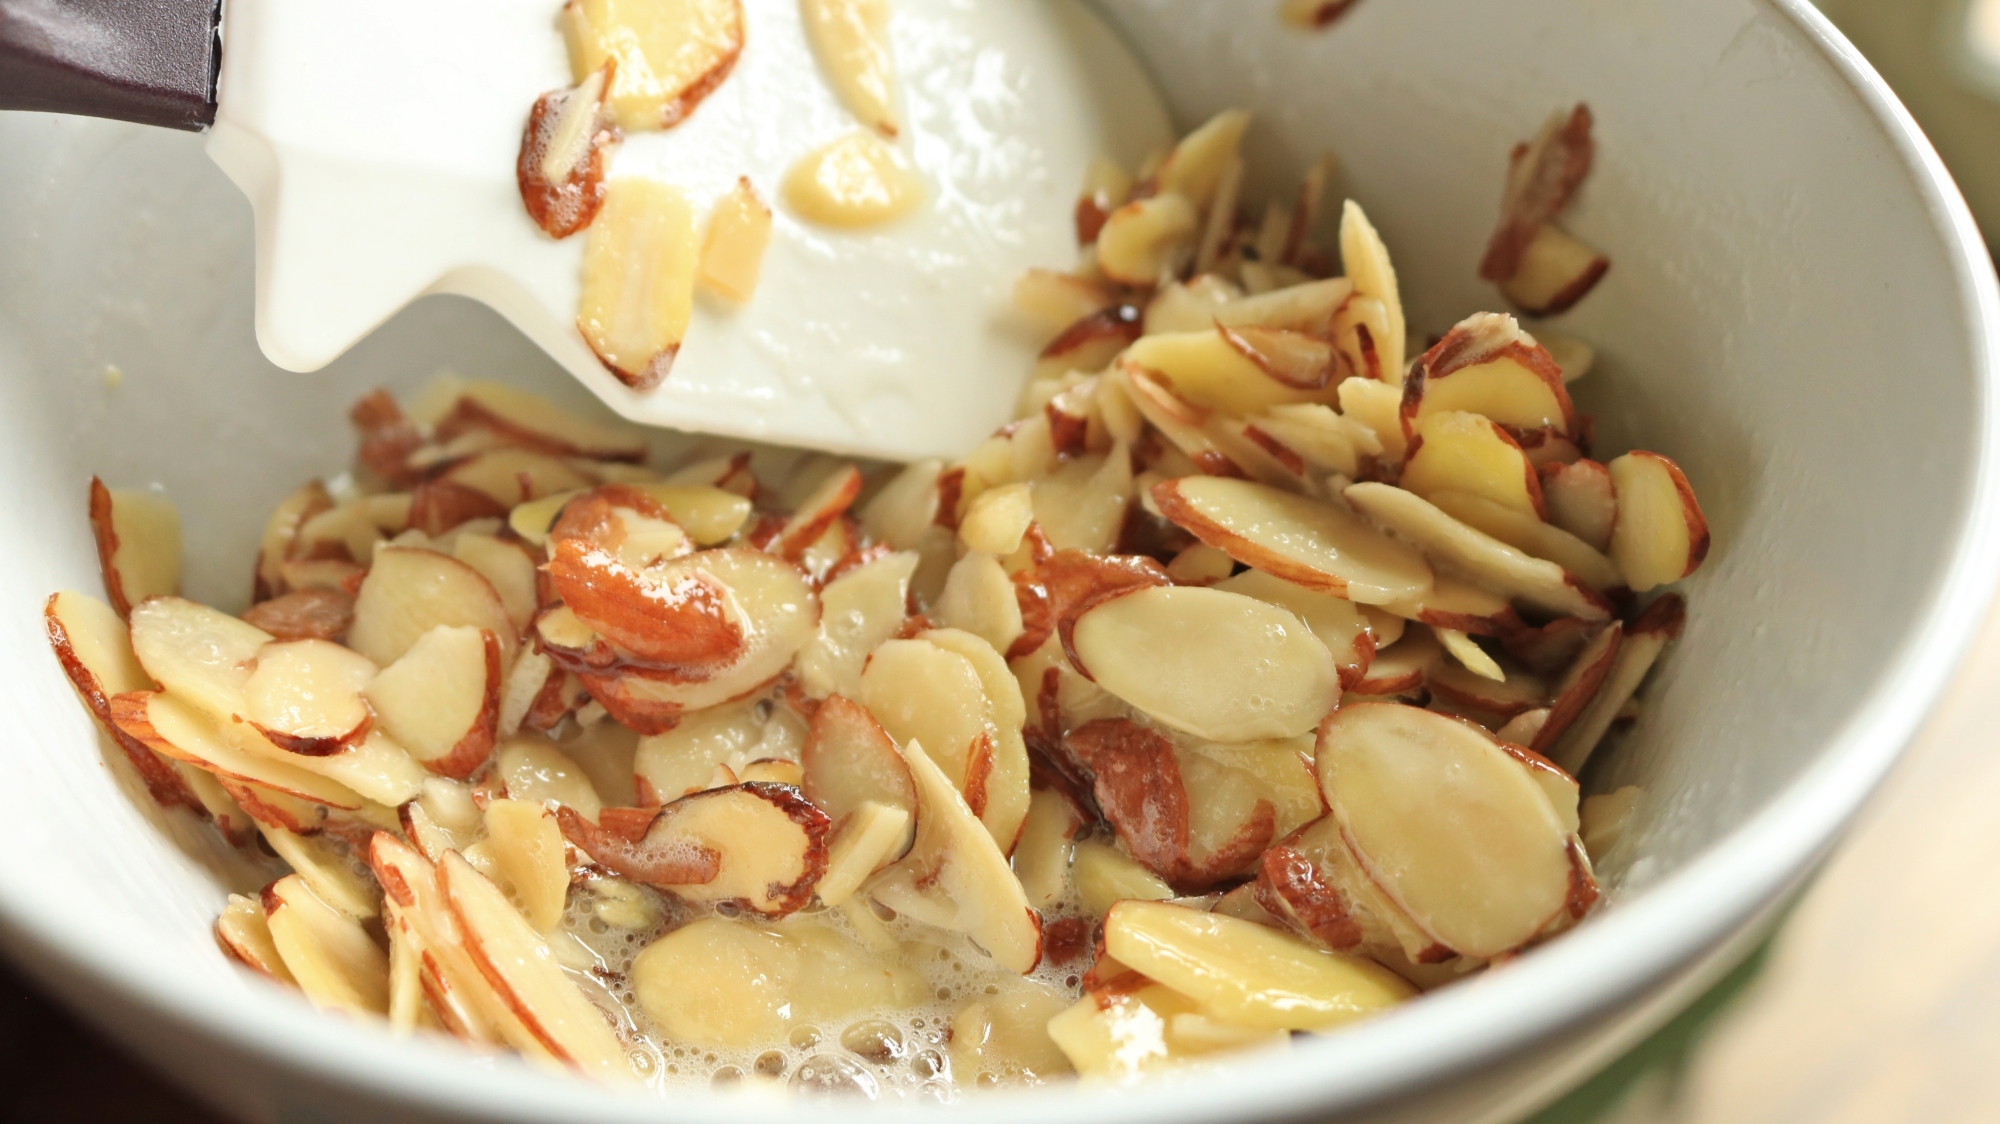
(732, 252)
(169, 726)
(527, 846)
(1448, 825)
(996, 775)
(850, 761)
(956, 877)
(1469, 654)
(855, 181)
(245, 937)
(138, 544)
(675, 616)
(1583, 501)
(872, 838)
(1458, 604)
(1208, 370)
(1541, 176)
(859, 610)
(304, 614)
(1557, 270)
(280, 531)
(560, 169)
(330, 956)
(1366, 257)
(93, 645)
(530, 767)
(305, 695)
(666, 57)
(1468, 453)
(1531, 536)
(1487, 365)
(1608, 818)
(851, 40)
(1485, 559)
(1645, 639)
(1143, 242)
(1258, 673)
(1660, 535)
(1311, 542)
(760, 847)
(518, 964)
(408, 592)
(1081, 506)
(638, 276)
(1337, 622)
(1580, 683)
(1042, 858)
(1248, 974)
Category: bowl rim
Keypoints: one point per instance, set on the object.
(1590, 972)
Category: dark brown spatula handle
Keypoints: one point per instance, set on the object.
(150, 61)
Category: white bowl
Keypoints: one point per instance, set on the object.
(1799, 310)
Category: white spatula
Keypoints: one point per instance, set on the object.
(377, 142)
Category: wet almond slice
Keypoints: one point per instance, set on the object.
(326, 870)
(1124, 1031)
(1054, 300)
(905, 508)
(875, 836)
(281, 530)
(1479, 556)
(979, 598)
(522, 971)
(1311, 542)
(1458, 604)
(719, 982)
(1182, 424)
(1469, 654)
(1280, 771)
(638, 279)
(666, 57)
(510, 476)
(1660, 535)
(1257, 673)
(1467, 453)
(304, 614)
(1248, 974)
(564, 148)
(270, 808)
(675, 617)
(1645, 638)
(93, 645)
(245, 937)
(1200, 564)
(1194, 304)
(527, 420)
(508, 566)
(1313, 15)
(1106, 875)
(1582, 500)
(850, 760)
(759, 847)
(1523, 727)
(996, 774)
(1541, 176)
(1328, 440)
(410, 591)
(1487, 365)
(530, 767)
(1557, 270)
(305, 695)
(997, 518)
(1403, 666)
(1305, 307)
(1516, 691)
(1561, 789)
(1376, 405)
(1336, 621)
(331, 957)
(818, 511)
(921, 691)
(852, 182)
(859, 610)
(732, 252)
(1447, 823)
(453, 985)
(851, 40)
(1311, 883)
(956, 877)
(1295, 359)
(1531, 536)
(1367, 260)
(1042, 857)
(171, 727)
(1230, 820)
(138, 544)
(527, 847)
(1208, 370)
(1579, 684)
(1082, 505)
(1143, 242)
(1004, 1035)
(1194, 167)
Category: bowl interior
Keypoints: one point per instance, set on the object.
(1786, 315)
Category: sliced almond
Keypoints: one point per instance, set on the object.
(1541, 176)
(851, 761)
(1312, 883)
(1447, 824)
(1531, 536)
(527, 846)
(507, 567)
(334, 961)
(1311, 542)
(905, 507)
(1082, 505)
(1608, 818)
(1004, 1035)
(305, 695)
(1337, 622)
(304, 614)
(1106, 875)
(1248, 974)
(1467, 453)
(1645, 639)
(1485, 559)
(510, 476)
(921, 691)
(859, 610)
(1583, 501)
(1241, 371)
(1054, 300)
(530, 767)
(280, 531)
(854, 181)
(1042, 857)
(1378, 406)
(245, 937)
(979, 598)
(1366, 257)
(408, 592)
(1660, 535)
(138, 544)
(1487, 365)
(851, 40)
(1516, 690)
(682, 760)
(1455, 603)
(1557, 270)
(666, 58)
(819, 510)
(732, 252)
(529, 421)
(1403, 666)
(175, 729)
(1469, 654)
(1579, 684)
(564, 149)
(638, 275)
(1144, 242)
(94, 647)
(759, 847)
(675, 617)
(875, 836)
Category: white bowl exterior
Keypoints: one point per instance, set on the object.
(1799, 311)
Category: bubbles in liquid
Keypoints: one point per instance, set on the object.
(834, 1075)
(927, 1064)
(804, 1037)
(771, 1063)
(878, 1040)
(725, 1077)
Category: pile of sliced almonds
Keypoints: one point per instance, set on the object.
(1237, 689)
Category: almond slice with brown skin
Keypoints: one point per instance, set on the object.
(1458, 604)
(1136, 779)
(1294, 359)
(172, 727)
(522, 971)
(956, 877)
(1054, 300)
(818, 511)
(1241, 371)
(1403, 666)
(1366, 257)
(280, 531)
(1561, 789)
(334, 961)
(1481, 557)
(674, 617)
(1541, 175)
(409, 591)
(1336, 621)
(1447, 824)
(860, 609)
(1660, 535)
(564, 149)
(1055, 588)
(1194, 167)
(1645, 639)
(1579, 684)
(1557, 270)
(304, 614)
(1311, 883)
(1145, 241)
(1311, 542)
(1487, 365)
(1468, 654)
(1248, 974)
(872, 838)
(245, 937)
(94, 648)
(638, 279)
(453, 985)
(1531, 536)
(668, 57)
(138, 544)
(850, 760)
(529, 421)
(851, 40)
(1258, 672)
(1517, 690)
(1467, 453)
(1582, 500)
(996, 775)
(441, 700)
(305, 695)
(732, 251)
(759, 847)
(510, 476)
